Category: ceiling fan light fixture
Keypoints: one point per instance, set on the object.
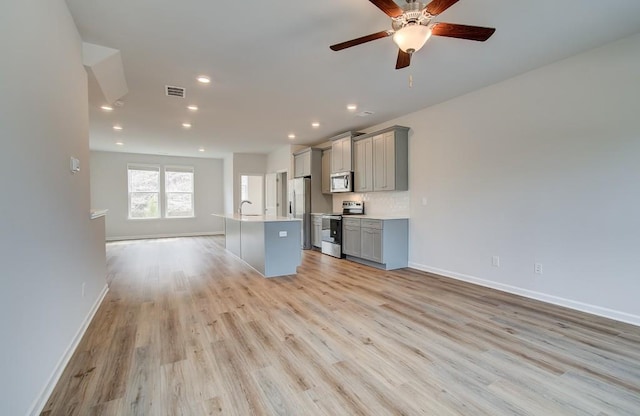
(412, 37)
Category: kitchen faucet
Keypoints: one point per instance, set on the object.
(241, 203)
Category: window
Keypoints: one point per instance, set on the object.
(146, 185)
(178, 191)
(144, 191)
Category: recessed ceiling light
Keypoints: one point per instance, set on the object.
(107, 108)
(120, 143)
(117, 127)
(201, 149)
(315, 124)
(203, 79)
(291, 136)
(352, 107)
(186, 125)
(192, 107)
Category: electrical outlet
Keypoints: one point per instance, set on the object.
(495, 261)
(83, 286)
(537, 268)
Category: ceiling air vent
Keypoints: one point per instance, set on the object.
(175, 91)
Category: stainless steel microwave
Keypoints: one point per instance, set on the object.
(342, 182)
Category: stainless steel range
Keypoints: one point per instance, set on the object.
(332, 227)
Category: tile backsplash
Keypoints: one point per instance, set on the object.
(377, 203)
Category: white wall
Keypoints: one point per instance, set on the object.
(109, 190)
(49, 246)
(542, 168)
(228, 184)
(281, 160)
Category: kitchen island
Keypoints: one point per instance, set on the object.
(272, 245)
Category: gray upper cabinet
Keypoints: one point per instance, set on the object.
(381, 160)
(326, 171)
(341, 156)
(302, 163)
(363, 165)
(308, 162)
(390, 160)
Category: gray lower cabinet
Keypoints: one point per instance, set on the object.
(351, 236)
(316, 230)
(382, 243)
(371, 240)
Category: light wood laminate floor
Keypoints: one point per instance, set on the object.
(188, 329)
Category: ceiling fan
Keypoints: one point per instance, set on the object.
(413, 24)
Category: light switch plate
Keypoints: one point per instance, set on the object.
(75, 165)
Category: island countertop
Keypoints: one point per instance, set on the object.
(256, 218)
(270, 244)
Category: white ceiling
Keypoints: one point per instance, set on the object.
(273, 73)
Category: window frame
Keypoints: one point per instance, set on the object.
(144, 167)
(184, 169)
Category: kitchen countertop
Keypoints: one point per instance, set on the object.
(97, 213)
(256, 218)
(366, 217)
(377, 217)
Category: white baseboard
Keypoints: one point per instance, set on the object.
(556, 300)
(174, 235)
(41, 400)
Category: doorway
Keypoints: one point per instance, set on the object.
(251, 189)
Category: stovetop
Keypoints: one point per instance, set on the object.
(352, 208)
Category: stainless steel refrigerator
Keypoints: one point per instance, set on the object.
(300, 207)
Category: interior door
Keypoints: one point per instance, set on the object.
(271, 194)
(283, 199)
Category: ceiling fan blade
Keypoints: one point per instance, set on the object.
(453, 30)
(389, 7)
(358, 41)
(438, 6)
(404, 59)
